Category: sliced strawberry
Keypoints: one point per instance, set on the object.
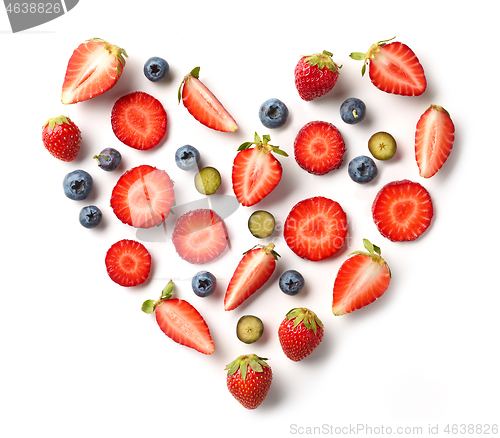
(252, 272)
(402, 210)
(180, 321)
(361, 279)
(256, 172)
(319, 148)
(139, 120)
(94, 67)
(128, 263)
(143, 196)
(316, 228)
(203, 105)
(434, 138)
(200, 236)
(394, 68)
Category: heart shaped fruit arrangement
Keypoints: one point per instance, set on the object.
(315, 228)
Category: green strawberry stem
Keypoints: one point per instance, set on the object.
(308, 317)
(59, 120)
(373, 251)
(262, 145)
(241, 363)
(149, 306)
(370, 54)
(322, 60)
(195, 73)
(269, 249)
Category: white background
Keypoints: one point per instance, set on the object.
(80, 359)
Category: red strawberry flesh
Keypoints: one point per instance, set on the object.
(128, 263)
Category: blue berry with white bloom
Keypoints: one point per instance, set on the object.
(352, 110)
(90, 216)
(204, 283)
(77, 185)
(273, 113)
(362, 169)
(187, 157)
(156, 69)
(291, 282)
(109, 159)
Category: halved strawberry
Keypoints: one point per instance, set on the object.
(402, 210)
(203, 105)
(200, 236)
(252, 272)
(139, 120)
(256, 172)
(394, 68)
(361, 279)
(180, 321)
(434, 138)
(316, 228)
(143, 196)
(128, 263)
(94, 67)
(319, 148)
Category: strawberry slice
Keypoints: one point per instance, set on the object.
(180, 321)
(256, 172)
(319, 148)
(143, 196)
(434, 138)
(402, 210)
(128, 263)
(252, 272)
(139, 120)
(200, 236)
(394, 68)
(203, 105)
(362, 279)
(316, 228)
(94, 67)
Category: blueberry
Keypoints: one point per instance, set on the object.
(273, 113)
(352, 110)
(204, 284)
(187, 157)
(109, 159)
(291, 282)
(77, 185)
(90, 216)
(362, 169)
(156, 69)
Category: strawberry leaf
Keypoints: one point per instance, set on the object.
(245, 145)
(277, 150)
(358, 56)
(148, 306)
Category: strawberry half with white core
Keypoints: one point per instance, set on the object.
(203, 105)
(256, 172)
(128, 263)
(252, 272)
(200, 236)
(94, 68)
(180, 321)
(362, 279)
(434, 138)
(402, 210)
(143, 196)
(393, 68)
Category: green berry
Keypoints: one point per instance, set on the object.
(249, 329)
(261, 224)
(382, 145)
(207, 181)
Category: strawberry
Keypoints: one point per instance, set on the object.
(402, 210)
(203, 105)
(200, 236)
(180, 321)
(143, 196)
(139, 120)
(394, 68)
(248, 379)
(361, 279)
(252, 272)
(94, 67)
(433, 140)
(316, 75)
(61, 137)
(128, 263)
(300, 333)
(315, 228)
(256, 172)
(319, 148)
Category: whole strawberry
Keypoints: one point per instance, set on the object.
(249, 379)
(315, 75)
(61, 137)
(300, 333)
